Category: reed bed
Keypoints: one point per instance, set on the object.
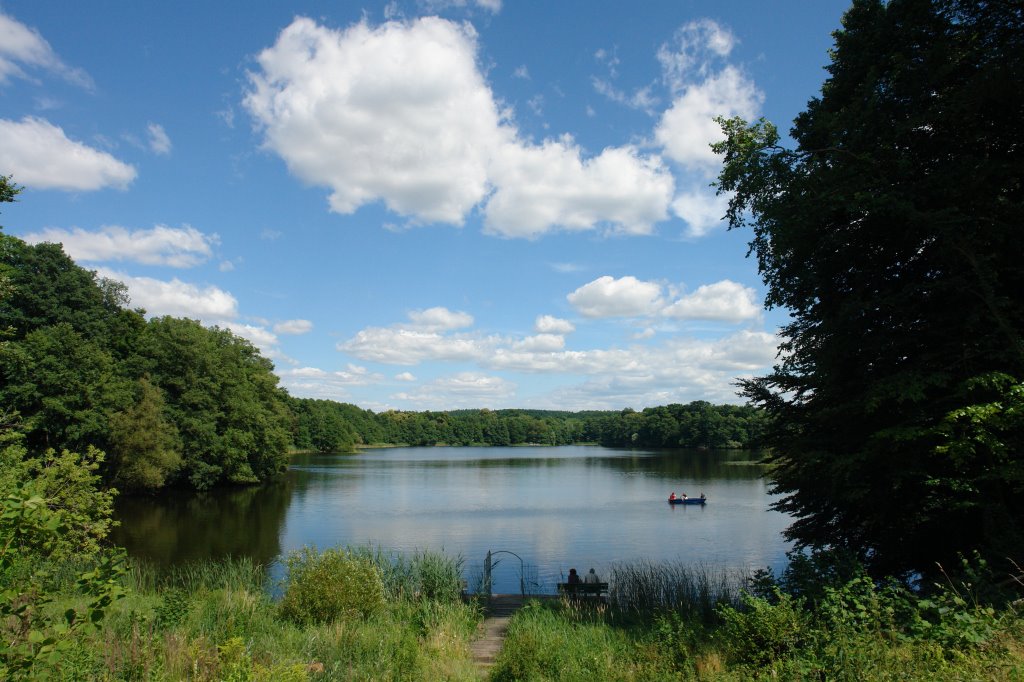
(228, 573)
(697, 589)
(425, 574)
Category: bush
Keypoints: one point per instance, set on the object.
(326, 586)
(762, 632)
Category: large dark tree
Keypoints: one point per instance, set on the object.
(892, 234)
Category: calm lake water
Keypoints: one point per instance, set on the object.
(556, 508)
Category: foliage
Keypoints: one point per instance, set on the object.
(321, 425)
(145, 445)
(808, 575)
(236, 665)
(47, 288)
(698, 424)
(326, 425)
(8, 189)
(64, 386)
(761, 631)
(857, 629)
(221, 396)
(48, 516)
(889, 232)
(423, 576)
(169, 398)
(326, 586)
(68, 485)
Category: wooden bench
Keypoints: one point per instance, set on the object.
(584, 590)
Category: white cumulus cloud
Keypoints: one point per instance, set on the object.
(462, 390)
(177, 298)
(401, 113)
(440, 318)
(293, 327)
(398, 113)
(180, 247)
(40, 155)
(610, 297)
(314, 382)
(548, 324)
(399, 346)
(678, 369)
(552, 185)
(687, 129)
(264, 339)
(724, 301)
(702, 210)
(540, 343)
(22, 47)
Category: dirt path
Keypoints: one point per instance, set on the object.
(488, 645)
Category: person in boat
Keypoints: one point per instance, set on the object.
(574, 578)
(672, 496)
(683, 496)
(703, 496)
(591, 578)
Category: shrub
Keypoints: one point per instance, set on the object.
(761, 632)
(325, 586)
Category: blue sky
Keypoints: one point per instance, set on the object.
(426, 204)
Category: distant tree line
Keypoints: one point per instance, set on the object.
(329, 426)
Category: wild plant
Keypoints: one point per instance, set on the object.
(326, 586)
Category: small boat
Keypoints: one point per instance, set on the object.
(688, 500)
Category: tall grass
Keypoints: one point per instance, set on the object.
(219, 620)
(227, 573)
(423, 575)
(644, 586)
(548, 642)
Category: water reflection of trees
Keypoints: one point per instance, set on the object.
(178, 528)
(695, 464)
(676, 463)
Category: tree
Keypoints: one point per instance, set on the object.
(145, 446)
(44, 287)
(63, 385)
(8, 190)
(222, 397)
(891, 234)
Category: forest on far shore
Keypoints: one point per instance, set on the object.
(327, 425)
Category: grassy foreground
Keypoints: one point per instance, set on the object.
(341, 615)
(362, 614)
(822, 620)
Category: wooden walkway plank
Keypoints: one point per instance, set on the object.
(492, 631)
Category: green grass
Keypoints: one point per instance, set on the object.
(217, 620)
(694, 623)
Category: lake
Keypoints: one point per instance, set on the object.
(554, 507)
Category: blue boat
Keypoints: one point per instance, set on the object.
(688, 500)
